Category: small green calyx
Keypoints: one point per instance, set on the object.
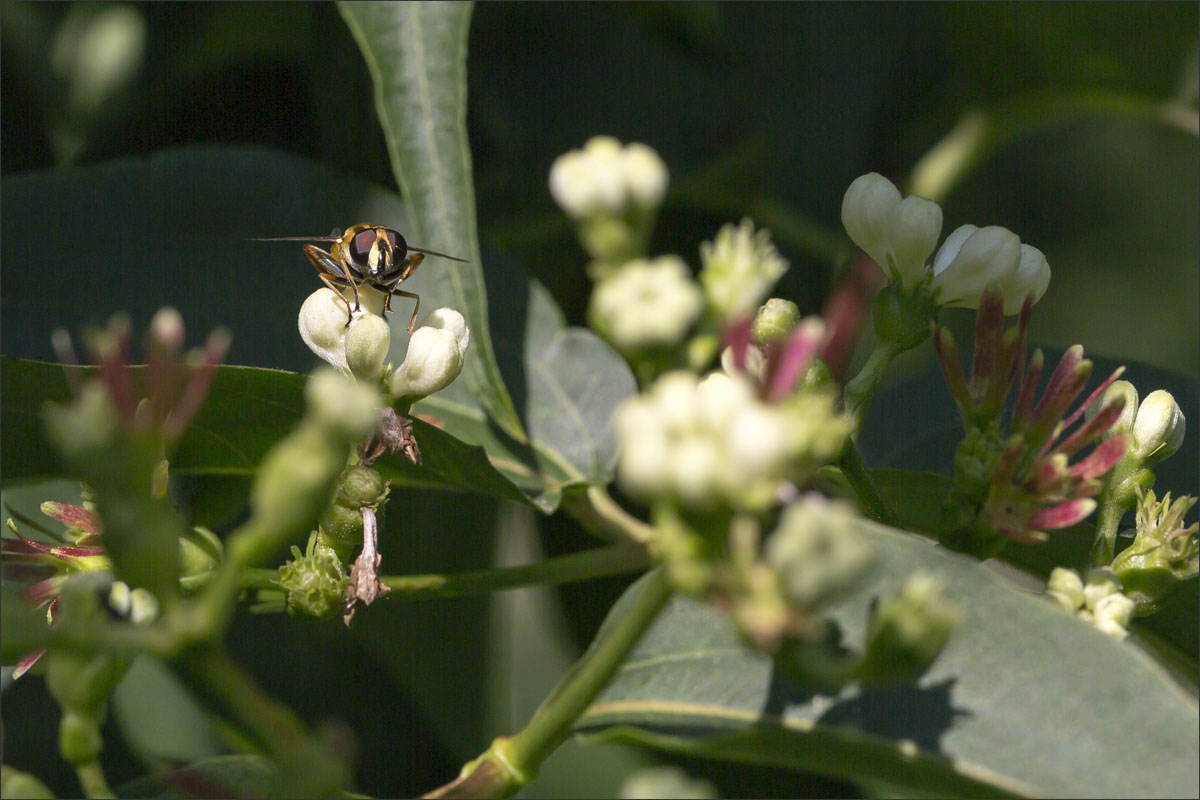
(314, 581)
(907, 632)
(1164, 552)
(902, 318)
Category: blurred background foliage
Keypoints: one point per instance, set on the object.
(1073, 124)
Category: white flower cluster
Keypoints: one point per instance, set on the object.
(711, 441)
(646, 303)
(1099, 600)
(436, 350)
(607, 177)
(739, 267)
(900, 235)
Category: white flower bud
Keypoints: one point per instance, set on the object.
(899, 235)
(646, 304)
(1066, 588)
(1124, 423)
(1101, 582)
(740, 267)
(1115, 609)
(865, 209)
(1159, 427)
(143, 606)
(1032, 276)
(914, 226)
(434, 359)
(645, 174)
(451, 321)
(816, 550)
(974, 259)
(366, 347)
(323, 326)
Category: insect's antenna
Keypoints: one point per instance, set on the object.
(436, 253)
(292, 239)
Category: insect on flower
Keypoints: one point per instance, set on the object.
(369, 254)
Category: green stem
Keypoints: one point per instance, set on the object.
(511, 762)
(602, 516)
(855, 470)
(308, 768)
(596, 563)
(1108, 521)
(860, 388)
(91, 778)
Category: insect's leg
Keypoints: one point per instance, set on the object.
(327, 265)
(416, 308)
(411, 262)
(325, 279)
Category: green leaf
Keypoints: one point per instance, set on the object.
(1024, 700)
(247, 411)
(417, 55)
(160, 719)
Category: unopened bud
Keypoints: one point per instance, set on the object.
(1066, 588)
(367, 343)
(1159, 427)
(774, 321)
(345, 407)
(907, 632)
(1122, 389)
(435, 355)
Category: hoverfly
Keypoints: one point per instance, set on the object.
(369, 254)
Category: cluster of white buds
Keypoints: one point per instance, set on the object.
(1098, 600)
(712, 441)
(435, 355)
(613, 192)
(646, 303)
(739, 267)
(900, 234)
(358, 344)
(607, 177)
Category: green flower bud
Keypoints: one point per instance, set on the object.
(367, 343)
(348, 409)
(14, 783)
(907, 632)
(314, 581)
(360, 486)
(79, 740)
(1159, 427)
(1066, 588)
(200, 551)
(817, 551)
(901, 318)
(83, 430)
(296, 477)
(774, 321)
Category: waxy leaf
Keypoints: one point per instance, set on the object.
(1024, 700)
(417, 55)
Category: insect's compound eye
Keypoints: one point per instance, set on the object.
(360, 246)
(399, 246)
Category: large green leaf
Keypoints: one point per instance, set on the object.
(1024, 700)
(417, 54)
(247, 411)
